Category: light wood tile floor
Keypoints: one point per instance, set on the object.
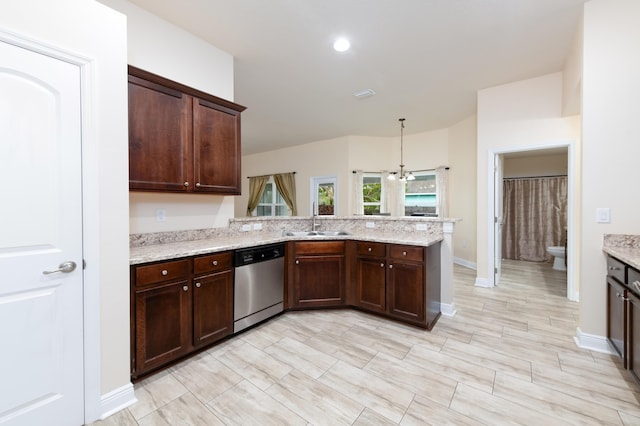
(507, 357)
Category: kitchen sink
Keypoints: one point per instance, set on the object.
(314, 233)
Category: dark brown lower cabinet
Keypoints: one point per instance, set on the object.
(617, 317)
(318, 271)
(178, 307)
(398, 281)
(633, 310)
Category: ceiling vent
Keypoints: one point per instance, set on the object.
(362, 94)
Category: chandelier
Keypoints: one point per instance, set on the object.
(403, 177)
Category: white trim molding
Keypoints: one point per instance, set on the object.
(466, 263)
(593, 342)
(448, 310)
(483, 282)
(116, 400)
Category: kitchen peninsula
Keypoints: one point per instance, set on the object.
(399, 268)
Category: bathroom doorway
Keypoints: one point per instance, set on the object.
(550, 165)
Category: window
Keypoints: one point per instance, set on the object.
(372, 193)
(324, 195)
(271, 203)
(420, 195)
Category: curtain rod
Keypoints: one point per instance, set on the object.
(249, 177)
(533, 177)
(423, 170)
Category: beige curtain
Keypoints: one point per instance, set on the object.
(534, 217)
(256, 188)
(286, 184)
(442, 193)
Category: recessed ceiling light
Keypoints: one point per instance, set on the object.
(341, 45)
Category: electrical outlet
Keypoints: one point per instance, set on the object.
(257, 226)
(161, 215)
(421, 226)
(603, 215)
(370, 224)
(245, 228)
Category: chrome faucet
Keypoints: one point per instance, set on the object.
(314, 214)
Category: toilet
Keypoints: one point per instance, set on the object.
(558, 253)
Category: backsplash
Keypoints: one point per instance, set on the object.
(431, 227)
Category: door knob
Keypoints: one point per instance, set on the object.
(65, 267)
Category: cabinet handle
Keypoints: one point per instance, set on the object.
(370, 249)
(214, 263)
(297, 262)
(614, 268)
(198, 185)
(197, 285)
(186, 184)
(390, 266)
(165, 272)
(185, 287)
(404, 253)
(636, 284)
(382, 265)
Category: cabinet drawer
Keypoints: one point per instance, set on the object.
(160, 272)
(616, 269)
(370, 249)
(633, 280)
(319, 247)
(212, 263)
(412, 253)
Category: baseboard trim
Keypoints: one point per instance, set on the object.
(448, 310)
(466, 263)
(593, 342)
(116, 400)
(483, 282)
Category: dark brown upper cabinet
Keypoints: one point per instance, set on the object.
(181, 139)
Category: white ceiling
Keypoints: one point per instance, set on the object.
(425, 59)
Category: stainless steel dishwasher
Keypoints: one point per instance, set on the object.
(258, 286)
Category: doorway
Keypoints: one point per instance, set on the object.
(526, 157)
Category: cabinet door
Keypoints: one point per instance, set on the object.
(163, 325)
(405, 290)
(216, 148)
(370, 281)
(616, 314)
(634, 335)
(159, 137)
(212, 307)
(319, 281)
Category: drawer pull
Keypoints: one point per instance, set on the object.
(382, 265)
(214, 263)
(297, 262)
(185, 287)
(165, 272)
(198, 184)
(614, 268)
(404, 253)
(197, 285)
(369, 249)
(390, 266)
(186, 184)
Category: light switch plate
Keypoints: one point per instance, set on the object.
(245, 228)
(257, 226)
(603, 215)
(370, 224)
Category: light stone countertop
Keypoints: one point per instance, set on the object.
(623, 247)
(165, 251)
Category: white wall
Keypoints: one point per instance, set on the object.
(536, 165)
(512, 116)
(164, 49)
(462, 188)
(610, 132)
(79, 27)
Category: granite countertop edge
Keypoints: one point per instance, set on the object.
(629, 255)
(157, 252)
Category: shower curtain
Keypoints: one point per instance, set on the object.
(534, 217)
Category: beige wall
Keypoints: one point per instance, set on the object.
(79, 27)
(339, 157)
(536, 165)
(164, 49)
(610, 132)
(462, 188)
(518, 116)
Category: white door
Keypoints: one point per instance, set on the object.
(498, 219)
(41, 313)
